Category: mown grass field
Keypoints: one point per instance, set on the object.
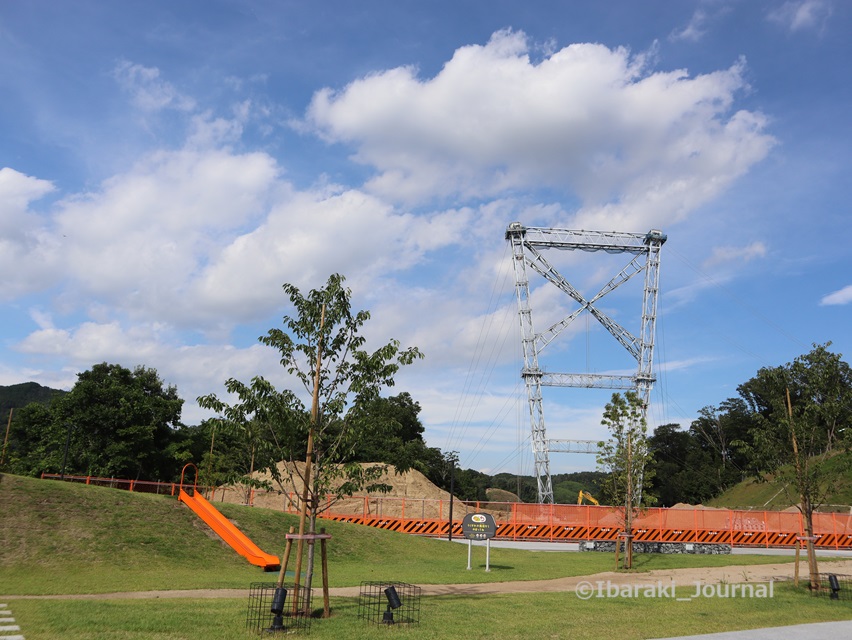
(60, 538)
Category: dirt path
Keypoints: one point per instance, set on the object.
(680, 577)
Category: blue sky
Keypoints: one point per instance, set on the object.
(166, 166)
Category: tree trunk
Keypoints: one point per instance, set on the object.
(813, 569)
(628, 508)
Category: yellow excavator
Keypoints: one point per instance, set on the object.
(588, 496)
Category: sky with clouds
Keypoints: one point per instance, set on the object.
(166, 166)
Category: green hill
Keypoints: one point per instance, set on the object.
(776, 495)
(17, 396)
(59, 537)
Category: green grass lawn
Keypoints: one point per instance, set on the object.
(501, 617)
(61, 538)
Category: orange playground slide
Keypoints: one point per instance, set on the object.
(228, 532)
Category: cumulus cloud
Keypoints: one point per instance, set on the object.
(312, 234)
(204, 239)
(27, 250)
(190, 242)
(839, 297)
(140, 237)
(197, 369)
(627, 141)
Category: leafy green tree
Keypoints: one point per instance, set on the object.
(324, 329)
(18, 396)
(322, 347)
(801, 436)
(258, 427)
(625, 457)
(395, 435)
(684, 466)
(716, 430)
(36, 442)
(117, 423)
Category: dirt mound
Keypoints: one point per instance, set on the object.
(684, 505)
(411, 494)
(500, 495)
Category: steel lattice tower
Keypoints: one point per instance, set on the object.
(526, 245)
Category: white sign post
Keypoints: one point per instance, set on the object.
(479, 526)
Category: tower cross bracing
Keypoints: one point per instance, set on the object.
(528, 243)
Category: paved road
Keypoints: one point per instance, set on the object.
(574, 546)
(817, 631)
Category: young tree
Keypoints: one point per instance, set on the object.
(801, 436)
(349, 379)
(625, 457)
(322, 347)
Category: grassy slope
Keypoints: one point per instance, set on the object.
(69, 538)
(771, 495)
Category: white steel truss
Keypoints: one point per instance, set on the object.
(527, 243)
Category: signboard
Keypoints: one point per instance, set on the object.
(479, 526)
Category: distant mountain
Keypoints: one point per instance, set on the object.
(17, 396)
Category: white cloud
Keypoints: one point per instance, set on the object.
(694, 30)
(27, 257)
(140, 239)
(839, 297)
(729, 255)
(197, 369)
(17, 191)
(802, 15)
(201, 238)
(149, 92)
(633, 145)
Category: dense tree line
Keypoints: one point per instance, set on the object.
(100, 411)
(127, 423)
(789, 423)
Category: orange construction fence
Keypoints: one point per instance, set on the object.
(544, 522)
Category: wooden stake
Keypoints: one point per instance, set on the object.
(283, 572)
(796, 572)
(326, 609)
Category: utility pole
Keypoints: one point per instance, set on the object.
(452, 457)
(6, 439)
